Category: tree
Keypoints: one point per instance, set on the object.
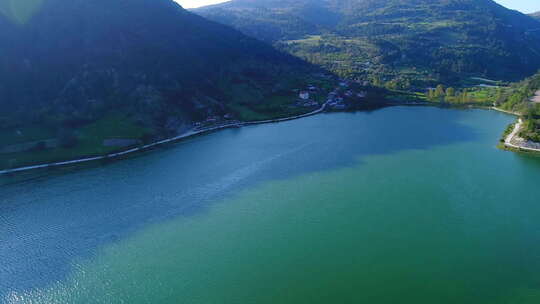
(464, 96)
(439, 91)
(377, 82)
(405, 84)
(499, 98)
(391, 85)
(431, 94)
(450, 93)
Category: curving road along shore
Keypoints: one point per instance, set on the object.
(505, 111)
(508, 141)
(536, 97)
(158, 143)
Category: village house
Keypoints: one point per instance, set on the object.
(362, 94)
(304, 95)
(212, 119)
(337, 104)
(310, 104)
(344, 84)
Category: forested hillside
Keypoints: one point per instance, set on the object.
(401, 40)
(75, 73)
(524, 97)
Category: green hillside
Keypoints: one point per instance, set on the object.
(75, 73)
(524, 97)
(426, 41)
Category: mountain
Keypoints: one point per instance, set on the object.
(74, 58)
(139, 69)
(535, 15)
(423, 39)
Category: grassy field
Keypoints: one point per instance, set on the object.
(274, 107)
(25, 134)
(403, 96)
(89, 141)
(281, 103)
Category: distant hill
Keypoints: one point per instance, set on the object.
(424, 39)
(71, 61)
(536, 15)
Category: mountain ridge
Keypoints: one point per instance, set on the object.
(446, 37)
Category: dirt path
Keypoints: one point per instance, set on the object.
(536, 98)
(508, 141)
(510, 137)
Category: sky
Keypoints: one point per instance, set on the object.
(197, 3)
(525, 6)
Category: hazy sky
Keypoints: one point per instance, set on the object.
(197, 3)
(526, 6)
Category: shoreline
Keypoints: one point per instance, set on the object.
(158, 143)
(505, 111)
(194, 132)
(508, 140)
(510, 137)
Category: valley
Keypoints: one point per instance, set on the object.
(405, 43)
(97, 107)
(272, 151)
(434, 52)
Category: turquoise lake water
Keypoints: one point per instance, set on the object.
(405, 205)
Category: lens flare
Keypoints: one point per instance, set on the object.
(20, 11)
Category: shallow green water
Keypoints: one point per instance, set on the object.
(401, 205)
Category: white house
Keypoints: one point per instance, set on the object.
(362, 94)
(304, 95)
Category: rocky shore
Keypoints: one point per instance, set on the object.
(515, 142)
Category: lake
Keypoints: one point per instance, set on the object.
(406, 205)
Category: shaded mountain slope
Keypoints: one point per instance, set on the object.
(81, 77)
(70, 61)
